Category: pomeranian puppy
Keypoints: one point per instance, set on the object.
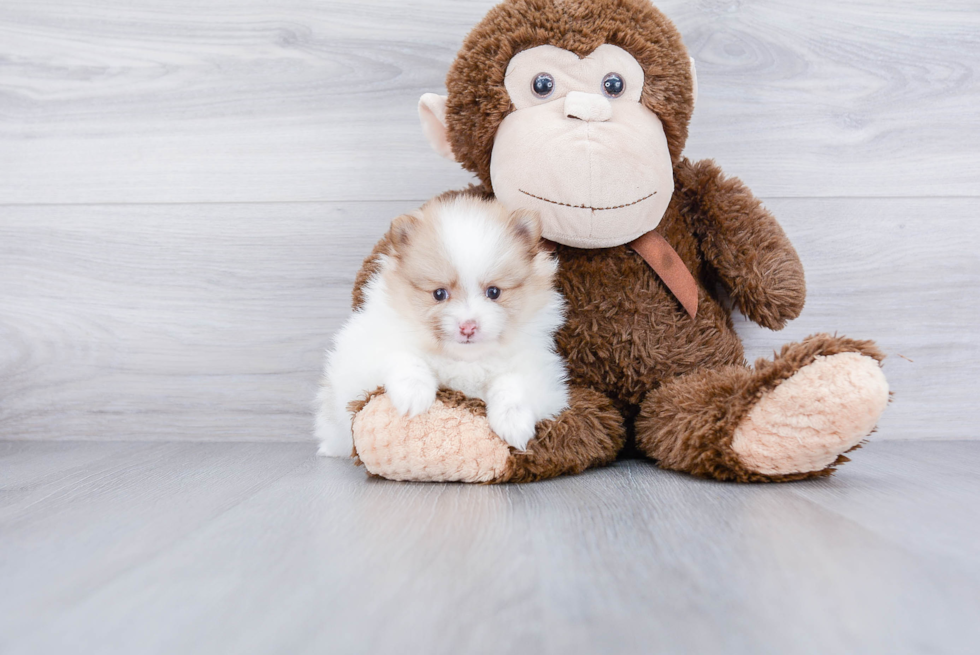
(464, 300)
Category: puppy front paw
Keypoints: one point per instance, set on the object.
(411, 396)
(514, 423)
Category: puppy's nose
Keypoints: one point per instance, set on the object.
(587, 106)
(468, 328)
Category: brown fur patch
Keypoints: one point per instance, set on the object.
(420, 265)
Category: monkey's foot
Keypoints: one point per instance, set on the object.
(451, 442)
(822, 411)
(790, 418)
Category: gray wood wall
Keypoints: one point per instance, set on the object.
(187, 188)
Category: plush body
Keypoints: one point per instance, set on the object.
(499, 350)
(645, 375)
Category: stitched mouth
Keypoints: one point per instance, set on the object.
(597, 209)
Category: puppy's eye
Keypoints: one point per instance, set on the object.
(543, 85)
(613, 85)
(440, 295)
(493, 293)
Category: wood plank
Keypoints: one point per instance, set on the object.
(840, 98)
(316, 100)
(209, 321)
(120, 504)
(615, 561)
(186, 322)
(925, 498)
(26, 465)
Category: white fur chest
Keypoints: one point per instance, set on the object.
(470, 377)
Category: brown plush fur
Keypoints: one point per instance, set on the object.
(632, 351)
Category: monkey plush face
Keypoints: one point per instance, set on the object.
(580, 148)
(578, 110)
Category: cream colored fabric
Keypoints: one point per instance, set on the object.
(599, 179)
(432, 113)
(825, 409)
(694, 80)
(443, 444)
(587, 106)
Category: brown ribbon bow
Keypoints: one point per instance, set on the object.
(667, 264)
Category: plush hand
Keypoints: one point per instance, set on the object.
(745, 245)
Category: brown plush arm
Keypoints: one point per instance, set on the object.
(744, 245)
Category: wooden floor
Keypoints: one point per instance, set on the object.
(263, 548)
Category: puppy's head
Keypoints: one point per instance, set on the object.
(468, 273)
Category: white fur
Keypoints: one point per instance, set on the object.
(514, 369)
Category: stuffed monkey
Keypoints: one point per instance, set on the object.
(580, 110)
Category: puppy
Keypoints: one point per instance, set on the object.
(464, 300)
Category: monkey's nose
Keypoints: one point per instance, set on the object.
(587, 106)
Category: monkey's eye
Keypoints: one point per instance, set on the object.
(543, 85)
(493, 293)
(613, 85)
(440, 295)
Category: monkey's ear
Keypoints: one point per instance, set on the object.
(402, 229)
(432, 112)
(526, 225)
(694, 79)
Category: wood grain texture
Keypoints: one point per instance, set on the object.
(248, 548)
(913, 497)
(185, 321)
(91, 513)
(296, 100)
(196, 322)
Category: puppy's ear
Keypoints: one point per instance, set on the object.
(525, 224)
(403, 229)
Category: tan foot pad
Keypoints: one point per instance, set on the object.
(823, 410)
(445, 444)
